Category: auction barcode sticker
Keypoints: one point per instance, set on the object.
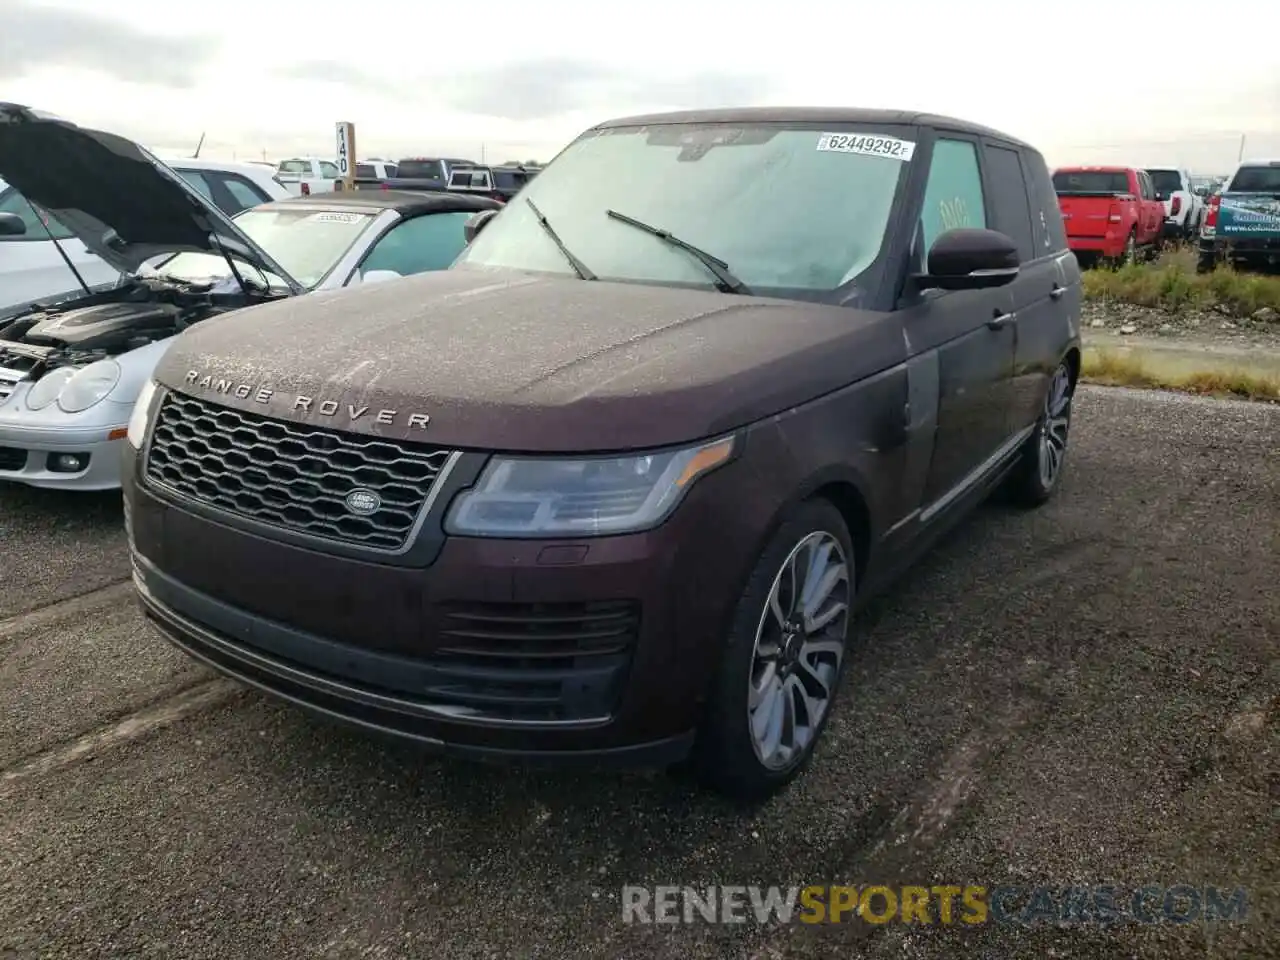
(867, 145)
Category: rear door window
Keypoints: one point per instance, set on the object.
(244, 193)
(1010, 209)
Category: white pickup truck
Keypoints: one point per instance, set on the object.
(1183, 207)
(303, 176)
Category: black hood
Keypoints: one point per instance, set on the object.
(120, 201)
(509, 361)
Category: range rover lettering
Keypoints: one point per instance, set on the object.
(685, 414)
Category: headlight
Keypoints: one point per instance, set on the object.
(90, 385)
(140, 417)
(49, 386)
(539, 497)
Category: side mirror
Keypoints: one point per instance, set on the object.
(970, 259)
(12, 225)
(476, 223)
(378, 276)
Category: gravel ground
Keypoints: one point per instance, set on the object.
(1086, 693)
(1194, 326)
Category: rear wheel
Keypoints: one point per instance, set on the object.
(1044, 454)
(1206, 262)
(783, 660)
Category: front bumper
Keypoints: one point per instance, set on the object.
(27, 452)
(377, 644)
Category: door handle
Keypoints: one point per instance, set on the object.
(1057, 292)
(1000, 320)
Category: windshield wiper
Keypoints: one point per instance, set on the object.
(725, 280)
(580, 268)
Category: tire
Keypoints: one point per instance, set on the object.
(1206, 262)
(733, 754)
(1043, 456)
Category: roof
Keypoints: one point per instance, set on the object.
(407, 203)
(201, 163)
(815, 115)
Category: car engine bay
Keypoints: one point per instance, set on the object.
(106, 324)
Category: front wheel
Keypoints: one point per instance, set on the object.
(1043, 456)
(783, 659)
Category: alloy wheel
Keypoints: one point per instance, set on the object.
(799, 645)
(1054, 424)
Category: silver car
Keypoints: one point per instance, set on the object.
(70, 373)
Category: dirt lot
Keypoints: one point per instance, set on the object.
(1087, 693)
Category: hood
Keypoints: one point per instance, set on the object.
(507, 361)
(119, 200)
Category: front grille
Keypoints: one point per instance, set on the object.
(290, 475)
(9, 380)
(11, 459)
(536, 661)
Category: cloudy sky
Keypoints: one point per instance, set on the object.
(1086, 81)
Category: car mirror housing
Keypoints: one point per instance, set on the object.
(476, 223)
(970, 259)
(12, 225)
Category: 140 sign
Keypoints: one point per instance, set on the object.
(345, 148)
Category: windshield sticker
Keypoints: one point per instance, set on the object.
(867, 146)
(335, 217)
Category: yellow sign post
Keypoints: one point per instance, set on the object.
(346, 150)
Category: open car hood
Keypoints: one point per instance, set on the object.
(123, 203)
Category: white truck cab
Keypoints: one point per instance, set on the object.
(303, 176)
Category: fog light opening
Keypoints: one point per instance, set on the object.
(68, 462)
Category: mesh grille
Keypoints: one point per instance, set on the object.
(293, 476)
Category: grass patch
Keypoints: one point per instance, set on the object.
(1114, 369)
(1170, 282)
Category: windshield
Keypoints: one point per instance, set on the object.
(1167, 182)
(1091, 181)
(1256, 180)
(306, 242)
(786, 209)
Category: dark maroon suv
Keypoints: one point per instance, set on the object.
(612, 487)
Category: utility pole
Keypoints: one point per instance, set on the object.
(1240, 156)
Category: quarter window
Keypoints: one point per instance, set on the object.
(953, 197)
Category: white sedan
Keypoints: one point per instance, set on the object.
(69, 374)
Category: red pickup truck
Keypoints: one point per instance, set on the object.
(1109, 211)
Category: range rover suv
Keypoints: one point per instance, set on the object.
(612, 487)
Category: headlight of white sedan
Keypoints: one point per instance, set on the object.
(89, 386)
(48, 387)
(139, 420)
(588, 496)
